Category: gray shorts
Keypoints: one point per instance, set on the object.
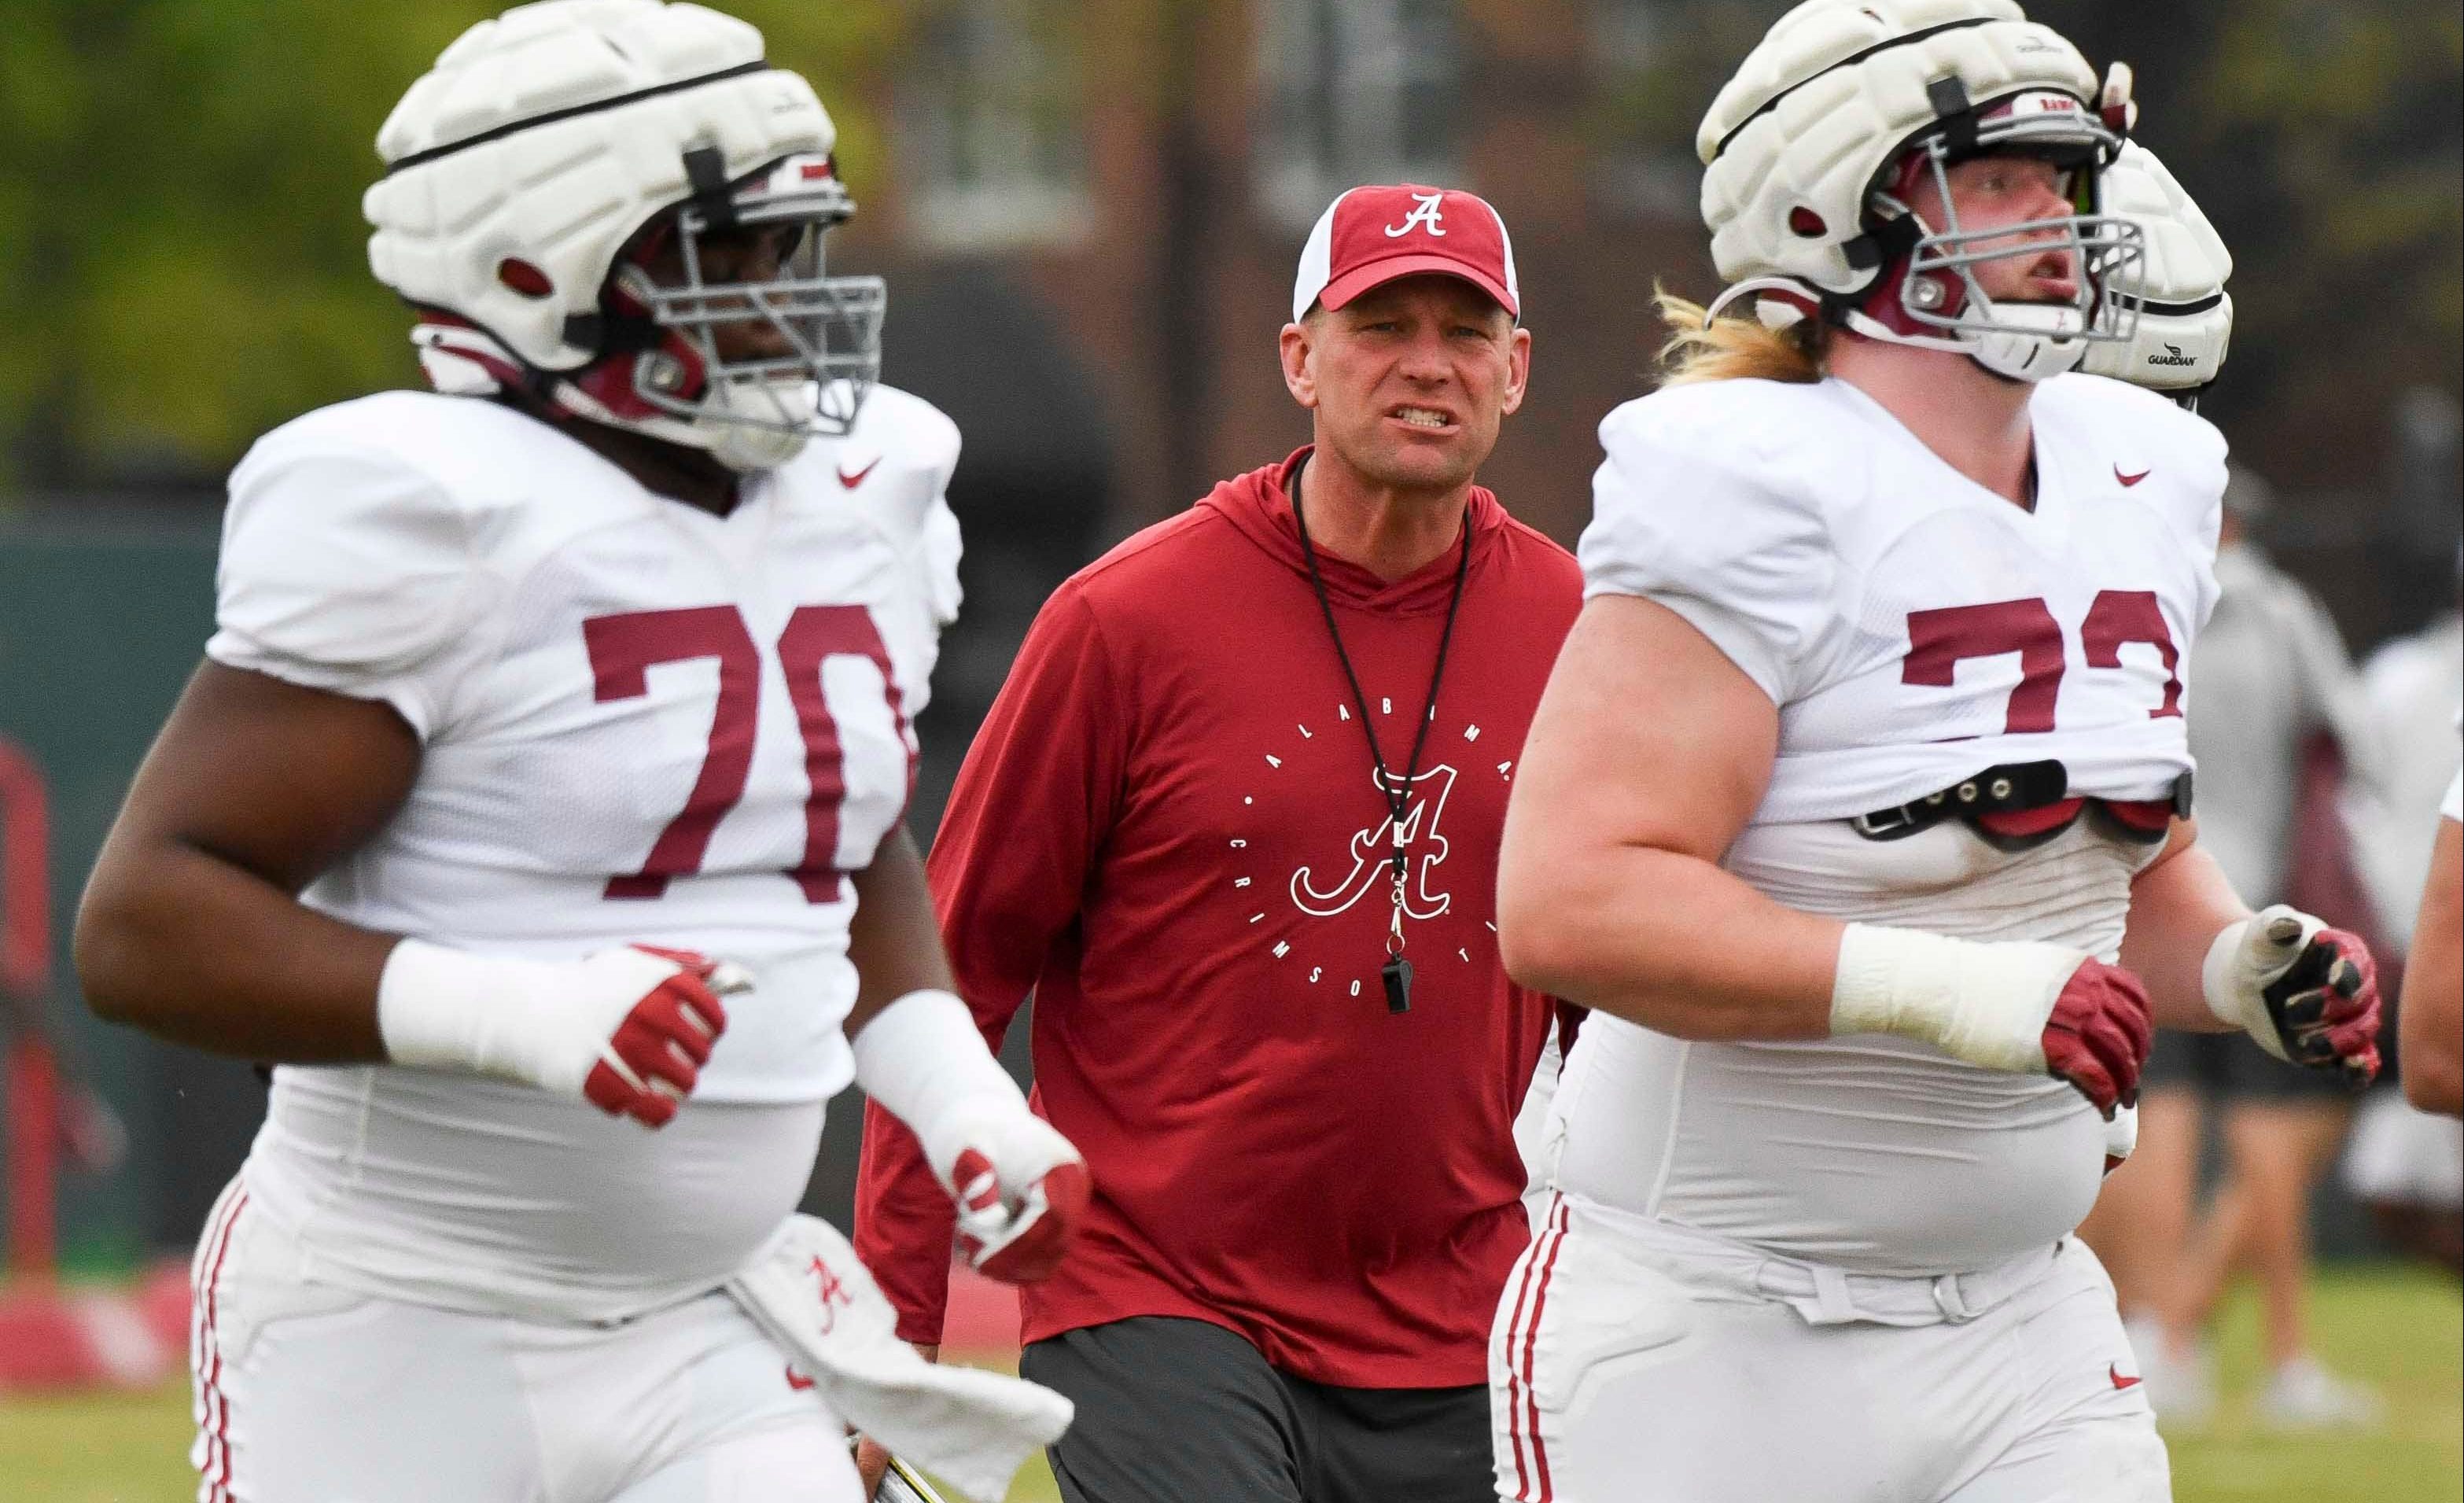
(1172, 1410)
(2230, 1066)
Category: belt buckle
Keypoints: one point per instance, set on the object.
(1951, 1300)
(1888, 824)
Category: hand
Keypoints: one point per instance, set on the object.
(2307, 993)
(871, 1461)
(886, 1481)
(1020, 1189)
(652, 1059)
(2099, 1035)
(626, 1029)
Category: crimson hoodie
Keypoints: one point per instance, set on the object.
(1169, 832)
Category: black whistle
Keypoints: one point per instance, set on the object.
(1397, 973)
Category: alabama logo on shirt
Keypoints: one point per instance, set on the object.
(1335, 876)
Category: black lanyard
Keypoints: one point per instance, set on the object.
(1397, 972)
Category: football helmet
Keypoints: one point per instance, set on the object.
(2184, 314)
(618, 207)
(1813, 150)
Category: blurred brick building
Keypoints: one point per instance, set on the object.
(1138, 179)
(1090, 213)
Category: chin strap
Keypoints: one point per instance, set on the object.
(1859, 321)
(462, 360)
(2029, 357)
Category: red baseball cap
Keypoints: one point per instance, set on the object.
(1368, 236)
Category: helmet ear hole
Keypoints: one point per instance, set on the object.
(524, 277)
(1806, 222)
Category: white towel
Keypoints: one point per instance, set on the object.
(816, 1299)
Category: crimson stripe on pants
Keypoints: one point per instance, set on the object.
(215, 1421)
(1532, 1343)
(1519, 1397)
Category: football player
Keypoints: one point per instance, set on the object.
(1857, 809)
(540, 811)
(2434, 1000)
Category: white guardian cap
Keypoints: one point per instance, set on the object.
(583, 196)
(1810, 153)
(2184, 314)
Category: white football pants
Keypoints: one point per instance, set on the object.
(1634, 1363)
(310, 1393)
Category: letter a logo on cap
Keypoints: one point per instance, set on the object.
(1364, 240)
(1425, 213)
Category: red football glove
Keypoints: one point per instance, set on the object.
(2099, 1035)
(1015, 1221)
(653, 1059)
(626, 1029)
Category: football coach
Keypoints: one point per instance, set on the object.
(1233, 823)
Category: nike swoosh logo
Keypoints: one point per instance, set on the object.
(2127, 481)
(2112, 1370)
(851, 481)
(799, 1382)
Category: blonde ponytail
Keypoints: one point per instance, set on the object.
(1735, 346)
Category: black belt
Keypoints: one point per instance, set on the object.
(1993, 797)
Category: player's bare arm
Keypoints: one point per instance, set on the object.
(2178, 906)
(1020, 1186)
(893, 938)
(2434, 984)
(897, 947)
(191, 928)
(1610, 892)
(2306, 992)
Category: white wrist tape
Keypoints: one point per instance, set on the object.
(532, 1020)
(922, 1058)
(1980, 1002)
(2246, 958)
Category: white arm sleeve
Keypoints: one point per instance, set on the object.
(341, 570)
(1750, 565)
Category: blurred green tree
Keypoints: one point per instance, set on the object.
(182, 259)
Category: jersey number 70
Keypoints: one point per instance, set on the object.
(623, 648)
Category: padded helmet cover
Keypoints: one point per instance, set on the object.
(550, 136)
(2185, 315)
(1801, 137)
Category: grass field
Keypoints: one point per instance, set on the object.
(2402, 1332)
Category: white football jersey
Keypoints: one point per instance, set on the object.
(640, 722)
(1913, 629)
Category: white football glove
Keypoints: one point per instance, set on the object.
(2307, 993)
(626, 1029)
